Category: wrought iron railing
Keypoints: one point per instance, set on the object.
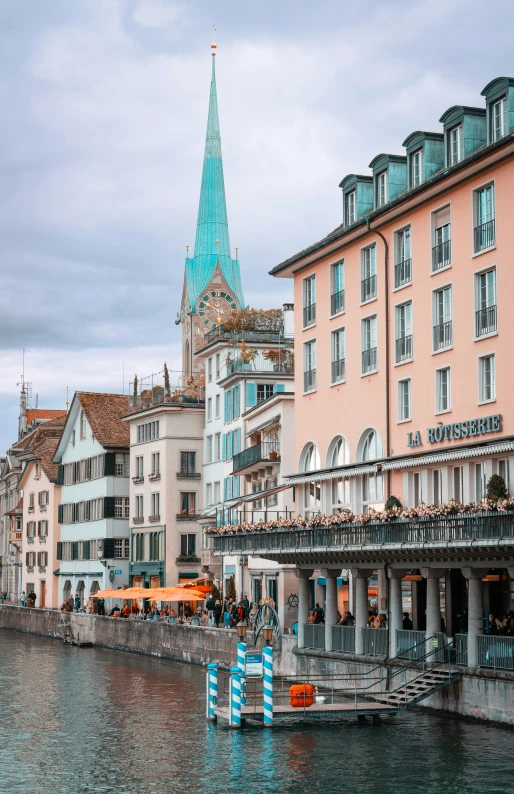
(337, 302)
(443, 335)
(402, 273)
(486, 320)
(368, 288)
(485, 235)
(338, 370)
(374, 641)
(441, 255)
(495, 652)
(265, 450)
(369, 359)
(283, 362)
(343, 639)
(403, 348)
(309, 380)
(309, 314)
(242, 336)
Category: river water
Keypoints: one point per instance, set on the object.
(91, 720)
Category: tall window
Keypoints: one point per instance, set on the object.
(139, 507)
(83, 425)
(312, 490)
(156, 463)
(340, 488)
(369, 344)
(351, 208)
(458, 484)
(209, 406)
(209, 448)
(381, 189)
(486, 320)
(368, 273)
(480, 481)
(443, 390)
(372, 484)
(208, 494)
(188, 504)
(443, 336)
(455, 145)
(187, 545)
(416, 168)
(209, 369)
(487, 378)
(188, 463)
(498, 111)
(338, 370)
(437, 486)
(404, 400)
(503, 471)
(309, 366)
(217, 446)
(156, 504)
(485, 231)
(121, 465)
(309, 301)
(217, 366)
(217, 492)
(403, 266)
(139, 466)
(218, 406)
(417, 489)
(441, 250)
(403, 322)
(337, 288)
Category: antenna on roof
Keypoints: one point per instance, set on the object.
(37, 401)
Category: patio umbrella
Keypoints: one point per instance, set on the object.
(108, 593)
(200, 588)
(176, 594)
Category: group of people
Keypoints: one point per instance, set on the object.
(231, 612)
(28, 600)
(503, 627)
(375, 620)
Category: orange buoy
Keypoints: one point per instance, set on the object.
(301, 695)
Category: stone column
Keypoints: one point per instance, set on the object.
(361, 604)
(382, 605)
(330, 605)
(303, 575)
(475, 610)
(395, 621)
(432, 575)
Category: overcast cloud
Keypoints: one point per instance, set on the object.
(101, 143)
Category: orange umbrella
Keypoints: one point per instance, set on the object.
(200, 588)
(109, 593)
(176, 594)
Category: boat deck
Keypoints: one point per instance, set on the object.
(317, 709)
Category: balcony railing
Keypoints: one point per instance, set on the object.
(402, 273)
(309, 314)
(495, 652)
(281, 361)
(343, 639)
(314, 636)
(230, 516)
(309, 380)
(242, 336)
(485, 235)
(441, 255)
(264, 451)
(337, 302)
(404, 348)
(369, 360)
(374, 642)
(486, 321)
(368, 288)
(338, 370)
(443, 335)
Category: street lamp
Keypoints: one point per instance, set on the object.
(241, 630)
(267, 633)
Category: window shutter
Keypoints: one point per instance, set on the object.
(59, 548)
(108, 506)
(238, 441)
(109, 548)
(39, 529)
(224, 489)
(59, 517)
(47, 497)
(60, 474)
(225, 417)
(224, 446)
(27, 559)
(251, 394)
(39, 559)
(280, 387)
(40, 493)
(238, 486)
(237, 401)
(75, 550)
(230, 444)
(74, 513)
(109, 465)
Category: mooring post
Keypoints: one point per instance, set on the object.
(212, 690)
(235, 698)
(268, 686)
(241, 659)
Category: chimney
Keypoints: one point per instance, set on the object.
(288, 320)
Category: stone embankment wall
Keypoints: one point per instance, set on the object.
(482, 693)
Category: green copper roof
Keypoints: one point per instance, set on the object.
(212, 224)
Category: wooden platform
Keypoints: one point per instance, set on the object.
(317, 709)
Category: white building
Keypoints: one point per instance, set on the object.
(93, 458)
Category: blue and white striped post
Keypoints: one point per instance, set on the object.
(235, 698)
(241, 663)
(212, 690)
(268, 686)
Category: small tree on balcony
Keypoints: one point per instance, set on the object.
(167, 392)
(247, 353)
(496, 488)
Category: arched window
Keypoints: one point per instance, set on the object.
(311, 461)
(339, 455)
(311, 458)
(371, 449)
(372, 446)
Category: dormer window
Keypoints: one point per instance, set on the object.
(351, 208)
(498, 118)
(455, 145)
(416, 168)
(381, 188)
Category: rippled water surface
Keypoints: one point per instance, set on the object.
(90, 720)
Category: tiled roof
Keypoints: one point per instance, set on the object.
(51, 429)
(18, 510)
(43, 414)
(45, 452)
(104, 412)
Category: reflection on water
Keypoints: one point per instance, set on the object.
(76, 721)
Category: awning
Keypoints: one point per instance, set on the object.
(323, 581)
(253, 497)
(342, 472)
(271, 421)
(449, 455)
(212, 509)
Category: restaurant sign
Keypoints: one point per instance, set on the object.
(457, 430)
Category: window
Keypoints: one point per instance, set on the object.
(340, 488)
(43, 529)
(265, 391)
(217, 446)
(486, 321)
(156, 463)
(208, 494)
(209, 407)
(443, 390)
(480, 482)
(30, 530)
(218, 406)
(209, 449)
(147, 432)
(403, 266)
(187, 545)
(487, 378)
(188, 463)
(30, 559)
(37, 473)
(372, 483)
(416, 168)
(417, 489)
(121, 548)
(441, 250)
(96, 509)
(485, 232)
(31, 500)
(122, 465)
(217, 366)
(443, 336)
(209, 370)
(309, 301)
(121, 507)
(67, 513)
(309, 366)
(83, 425)
(156, 504)
(455, 145)
(458, 484)
(404, 400)
(403, 322)
(368, 273)
(232, 403)
(381, 189)
(42, 559)
(337, 288)
(338, 369)
(42, 499)
(498, 118)
(437, 486)
(503, 471)
(351, 208)
(187, 504)
(139, 506)
(257, 487)
(139, 466)
(217, 492)
(369, 345)
(97, 467)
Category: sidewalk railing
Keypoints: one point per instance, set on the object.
(495, 652)
(410, 644)
(374, 641)
(314, 636)
(343, 639)
(461, 649)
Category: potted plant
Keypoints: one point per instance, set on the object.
(272, 437)
(246, 354)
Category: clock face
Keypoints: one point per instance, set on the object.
(215, 307)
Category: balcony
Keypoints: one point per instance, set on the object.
(486, 321)
(154, 519)
(309, 380)
(403, 348)
(402, 273)
(188, 474)
(309, 314)
(155, 475)
(338, 370)
(369, 360)
(188, 558)
(266, 451)
(441, 255)
(485, 236)
(280, 360)
(337, 302)
(218, 334)
(187, 516)
(368, 288)
(138, 478)
(443, 336)
(138, 520)
(31, 508)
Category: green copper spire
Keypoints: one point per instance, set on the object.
(212, 243)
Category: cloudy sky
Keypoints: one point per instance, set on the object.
(101, 143)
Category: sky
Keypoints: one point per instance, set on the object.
(101, 145)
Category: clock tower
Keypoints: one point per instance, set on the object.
(212, 281)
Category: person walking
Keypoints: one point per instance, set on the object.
(23, 598)
(209, 606)
(318, 616)
(32, 597)
(100, 606)
(226, 614)
(77, 602)
(217, 613)
(407, 624)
